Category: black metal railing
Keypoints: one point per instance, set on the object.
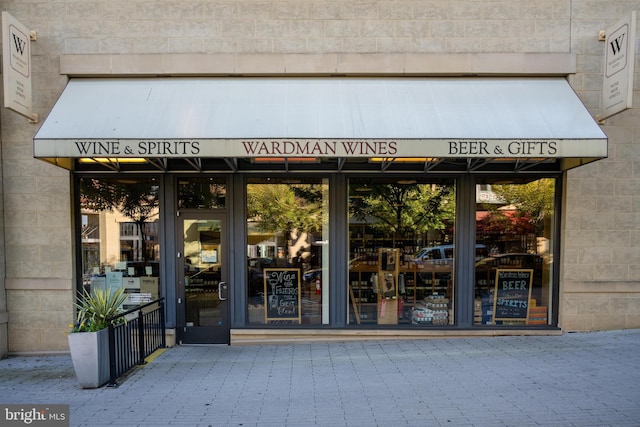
(133, 336)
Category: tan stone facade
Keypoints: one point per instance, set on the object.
(600, 262)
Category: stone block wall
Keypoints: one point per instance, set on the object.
(4, 314)
(39, 319)
(600, 274)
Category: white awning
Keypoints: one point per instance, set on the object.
(321, 118)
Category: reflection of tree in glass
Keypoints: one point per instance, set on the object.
(201, 194)
(533, 203)
(137, 200)
(285, 208)
(417, 208)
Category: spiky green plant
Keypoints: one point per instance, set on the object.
(95, 308)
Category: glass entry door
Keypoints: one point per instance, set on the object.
(202, 275)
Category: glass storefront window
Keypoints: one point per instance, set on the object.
(120, 236)
(401, 251)
(287, 251)
(514, 222)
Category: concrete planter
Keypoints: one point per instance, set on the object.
(90, 356)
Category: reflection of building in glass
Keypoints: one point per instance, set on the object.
(109, 238)
(485, 195)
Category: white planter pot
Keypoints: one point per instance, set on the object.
(90, 356)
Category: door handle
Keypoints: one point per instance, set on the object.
(222, 291)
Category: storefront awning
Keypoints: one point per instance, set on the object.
(488, 119)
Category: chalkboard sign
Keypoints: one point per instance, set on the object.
(282, 294)
(512, 294)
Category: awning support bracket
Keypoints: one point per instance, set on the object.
(519, 167)
(161, 164)
(428, 166)
(109, 165)
(476, 164)
(196, 163)
(232, 163)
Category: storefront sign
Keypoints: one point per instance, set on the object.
(619, 65)
(512, 294)
(16, 65)
(322, 148)
(282, 294)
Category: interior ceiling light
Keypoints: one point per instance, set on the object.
(401, 159)
(112, 160)
(513, 159)
(406, 181)
(286, 159)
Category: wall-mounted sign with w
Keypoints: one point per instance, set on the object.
(16, 66)
(619, 60)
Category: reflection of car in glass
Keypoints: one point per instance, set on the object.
(255, 277)
(511, 260)
(444, 254)
(439, 260)
(260, 263)
(310, 276)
